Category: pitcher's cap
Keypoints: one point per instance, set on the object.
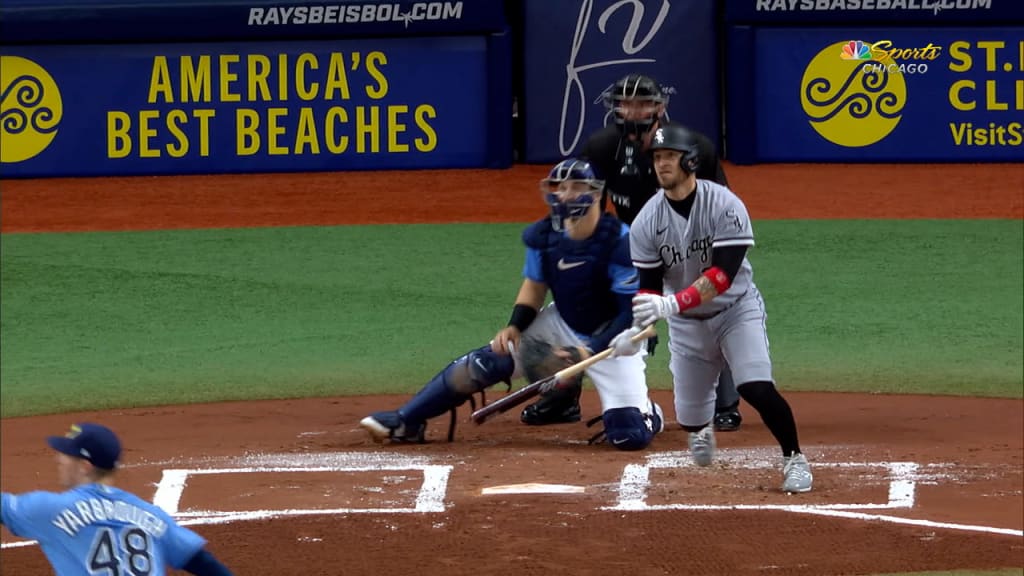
(93, 442)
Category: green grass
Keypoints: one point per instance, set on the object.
(102, 320)
(895, 306)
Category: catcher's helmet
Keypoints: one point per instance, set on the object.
(678, 138)
(634, 87)
(565, 199)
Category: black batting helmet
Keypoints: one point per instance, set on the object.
(676, 137)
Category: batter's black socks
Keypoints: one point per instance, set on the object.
(774, 411)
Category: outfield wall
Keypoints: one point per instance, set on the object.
(875, 80)
(173, 87)
(176, 86)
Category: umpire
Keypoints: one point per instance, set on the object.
(619, 154)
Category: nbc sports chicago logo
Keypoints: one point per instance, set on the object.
(872, 55)
(30, 109)
(853, 92)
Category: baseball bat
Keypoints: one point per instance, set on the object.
(506, 403)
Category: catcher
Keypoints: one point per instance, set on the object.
(582, 256)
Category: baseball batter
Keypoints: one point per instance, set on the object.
(581, 256)
(95, 529)
(689, 245)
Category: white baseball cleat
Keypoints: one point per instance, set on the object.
(378, 431)
(796, 474)
(702, 445)
(388, 425)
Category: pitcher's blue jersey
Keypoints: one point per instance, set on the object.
(587, 278)
(97, 530)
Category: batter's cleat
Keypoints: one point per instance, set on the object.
(545, 411)
(796, 474)
(728, 421)
(388, 425)
(702, 445)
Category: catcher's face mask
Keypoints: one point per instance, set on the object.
(570, 190)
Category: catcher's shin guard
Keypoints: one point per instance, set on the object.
(451, 387)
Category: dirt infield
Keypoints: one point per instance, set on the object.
(770, 191)
(294, 487)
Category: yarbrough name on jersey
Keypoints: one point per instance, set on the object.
(354, 13)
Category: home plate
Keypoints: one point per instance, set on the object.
(534, 488)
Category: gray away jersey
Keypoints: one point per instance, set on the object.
(660, 236)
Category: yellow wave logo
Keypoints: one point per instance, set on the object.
(30, 109)
(852, 102)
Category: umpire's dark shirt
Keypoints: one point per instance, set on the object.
(630, 193)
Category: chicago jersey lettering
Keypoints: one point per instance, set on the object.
(660, 236)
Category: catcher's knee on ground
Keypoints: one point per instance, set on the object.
(560, 404)
(630, 429)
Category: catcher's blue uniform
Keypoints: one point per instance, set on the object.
(592, 281)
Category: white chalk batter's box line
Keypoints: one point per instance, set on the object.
(632, 490)
(636, 479)
(903, 478)
(430, 497)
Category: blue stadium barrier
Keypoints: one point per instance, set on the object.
(415, 85)
(575, 50)
(875, 80)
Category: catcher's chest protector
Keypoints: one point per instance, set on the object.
(577, 272)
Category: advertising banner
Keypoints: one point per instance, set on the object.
(110, 21)
(576, 49)
(827, 95)
(874, 12)
(245, 107)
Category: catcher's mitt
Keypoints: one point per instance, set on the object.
(540, 360)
